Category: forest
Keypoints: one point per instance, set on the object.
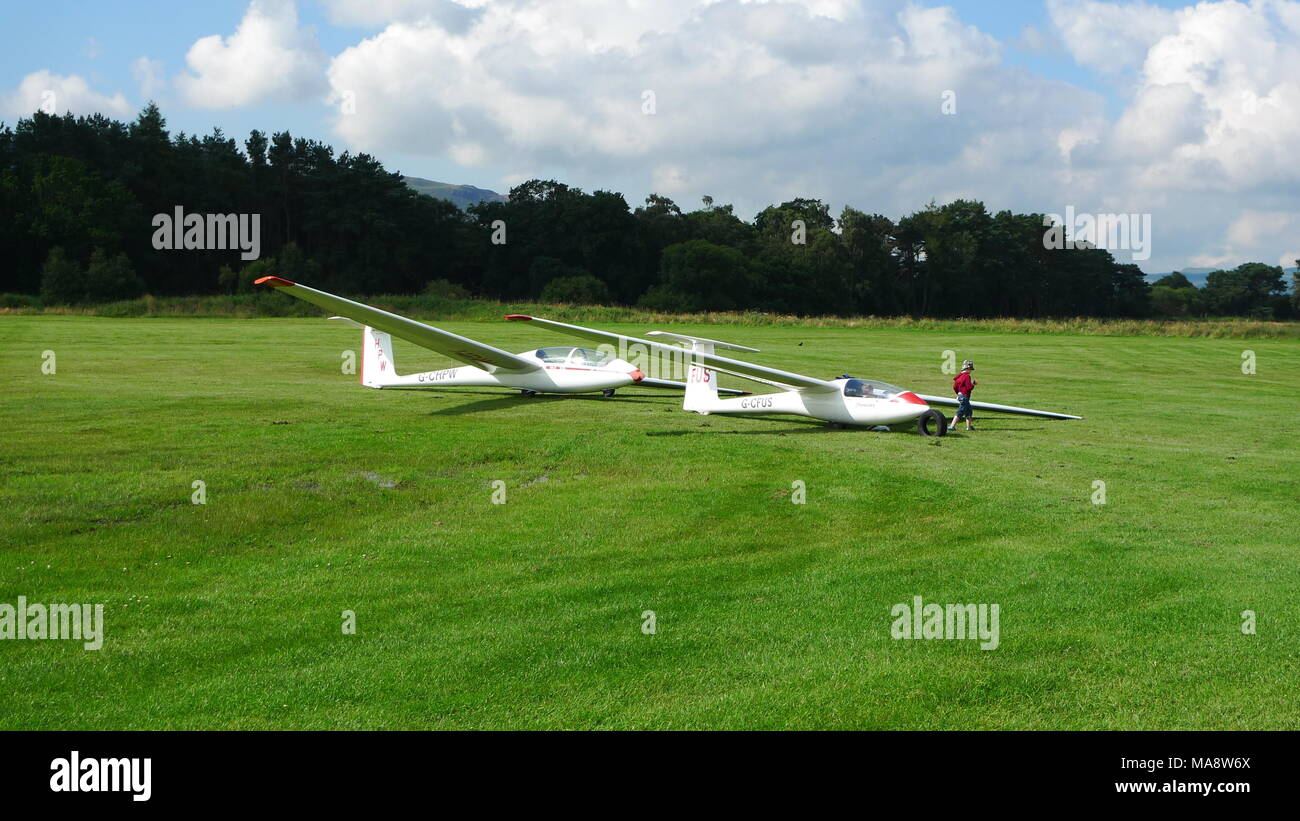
(79, 195)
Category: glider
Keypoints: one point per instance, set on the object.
(545, 370)
(841, 401)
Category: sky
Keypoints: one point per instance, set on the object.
(1189, 113)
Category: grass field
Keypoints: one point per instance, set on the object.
(323, 496)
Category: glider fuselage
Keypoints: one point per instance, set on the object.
(892, 406)
(561, 376)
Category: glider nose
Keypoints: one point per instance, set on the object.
(636, 374)
(908, 396)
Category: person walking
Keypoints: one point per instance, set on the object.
(962, 385)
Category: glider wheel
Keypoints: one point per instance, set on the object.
(932, 423)
(528, 394)
(607, 393)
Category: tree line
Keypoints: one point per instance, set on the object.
(79, 195)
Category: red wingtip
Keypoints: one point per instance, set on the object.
(518, 317)
(274, 282)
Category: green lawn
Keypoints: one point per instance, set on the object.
(323, 496)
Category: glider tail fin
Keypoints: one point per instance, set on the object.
(701, 382)
(378, 368)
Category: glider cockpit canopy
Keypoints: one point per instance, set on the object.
(574, 357)
(870, 389)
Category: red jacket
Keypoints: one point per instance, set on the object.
(962, 383)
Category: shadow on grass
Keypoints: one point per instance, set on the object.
(991, 429)
(810, 426)
(764, 432)
(507, 401)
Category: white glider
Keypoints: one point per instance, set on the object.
(544, 370)
(842, 401)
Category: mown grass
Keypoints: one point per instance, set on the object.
(429, 307)
(323, 496)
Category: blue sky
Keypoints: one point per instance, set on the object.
(99, 41)
(1126, 107)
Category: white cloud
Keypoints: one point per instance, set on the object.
(1032, 38)
(58, 94)
(1252, 226)
(1213, 260)
(753, 101)
(1210, 129)
(1112, 38)
(1255, 236)
(449, 13)
(149, 75)
(268, 57)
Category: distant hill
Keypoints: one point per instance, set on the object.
(1197, 276)
(462, 195)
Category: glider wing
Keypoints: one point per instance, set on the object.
(457, 347)
(989, 406)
